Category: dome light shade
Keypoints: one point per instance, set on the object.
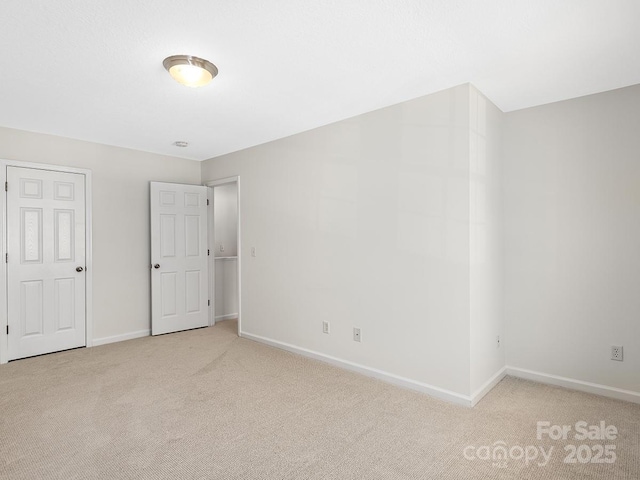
(190, 71)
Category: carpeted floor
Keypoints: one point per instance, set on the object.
(207, 404)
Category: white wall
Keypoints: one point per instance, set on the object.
(572, 238)
(225, 215)
(365, 223)
(121, 282)
(486, 249)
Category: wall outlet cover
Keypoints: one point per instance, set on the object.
(617, 353)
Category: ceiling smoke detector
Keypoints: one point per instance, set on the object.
(190, 71)
(181, 144)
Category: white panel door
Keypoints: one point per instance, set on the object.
(45, 261)
(179, 265)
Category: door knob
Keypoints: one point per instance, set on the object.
(79, 269)
(157, 265)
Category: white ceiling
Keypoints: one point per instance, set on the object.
(93, 70)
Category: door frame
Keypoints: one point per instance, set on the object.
(211, 238)
(4, 338)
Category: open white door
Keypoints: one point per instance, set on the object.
(179, 270)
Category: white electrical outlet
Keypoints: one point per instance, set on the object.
(498, 341)
(616, 352)
(222, 248)
(356, 334)
(325, 327)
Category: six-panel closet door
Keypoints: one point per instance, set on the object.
(45, 261)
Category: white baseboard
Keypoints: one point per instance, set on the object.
(121, 338)
(229, 316)
(573, 384)
(488, 386)
(431, 390)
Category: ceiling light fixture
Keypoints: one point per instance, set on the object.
(181, 144)
(190, 71)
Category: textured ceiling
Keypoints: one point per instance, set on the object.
(93, 70)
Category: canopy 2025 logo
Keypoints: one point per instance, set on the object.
(500, 453)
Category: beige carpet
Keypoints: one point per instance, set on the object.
(207, 404)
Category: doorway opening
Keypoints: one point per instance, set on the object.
(225, 247)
